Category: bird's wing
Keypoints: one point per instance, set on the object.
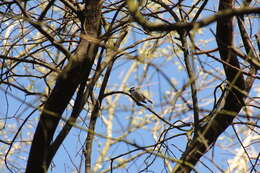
(145, 98)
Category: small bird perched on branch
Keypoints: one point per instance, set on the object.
(139, 97)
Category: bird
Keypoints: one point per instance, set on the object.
(139, 97)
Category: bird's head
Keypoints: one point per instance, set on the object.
(132, 89)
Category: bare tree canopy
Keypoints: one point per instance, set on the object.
(129, 86)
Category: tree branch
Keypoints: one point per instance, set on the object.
(133, 7)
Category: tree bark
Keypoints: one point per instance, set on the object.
(78, 68)
(231, 103)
